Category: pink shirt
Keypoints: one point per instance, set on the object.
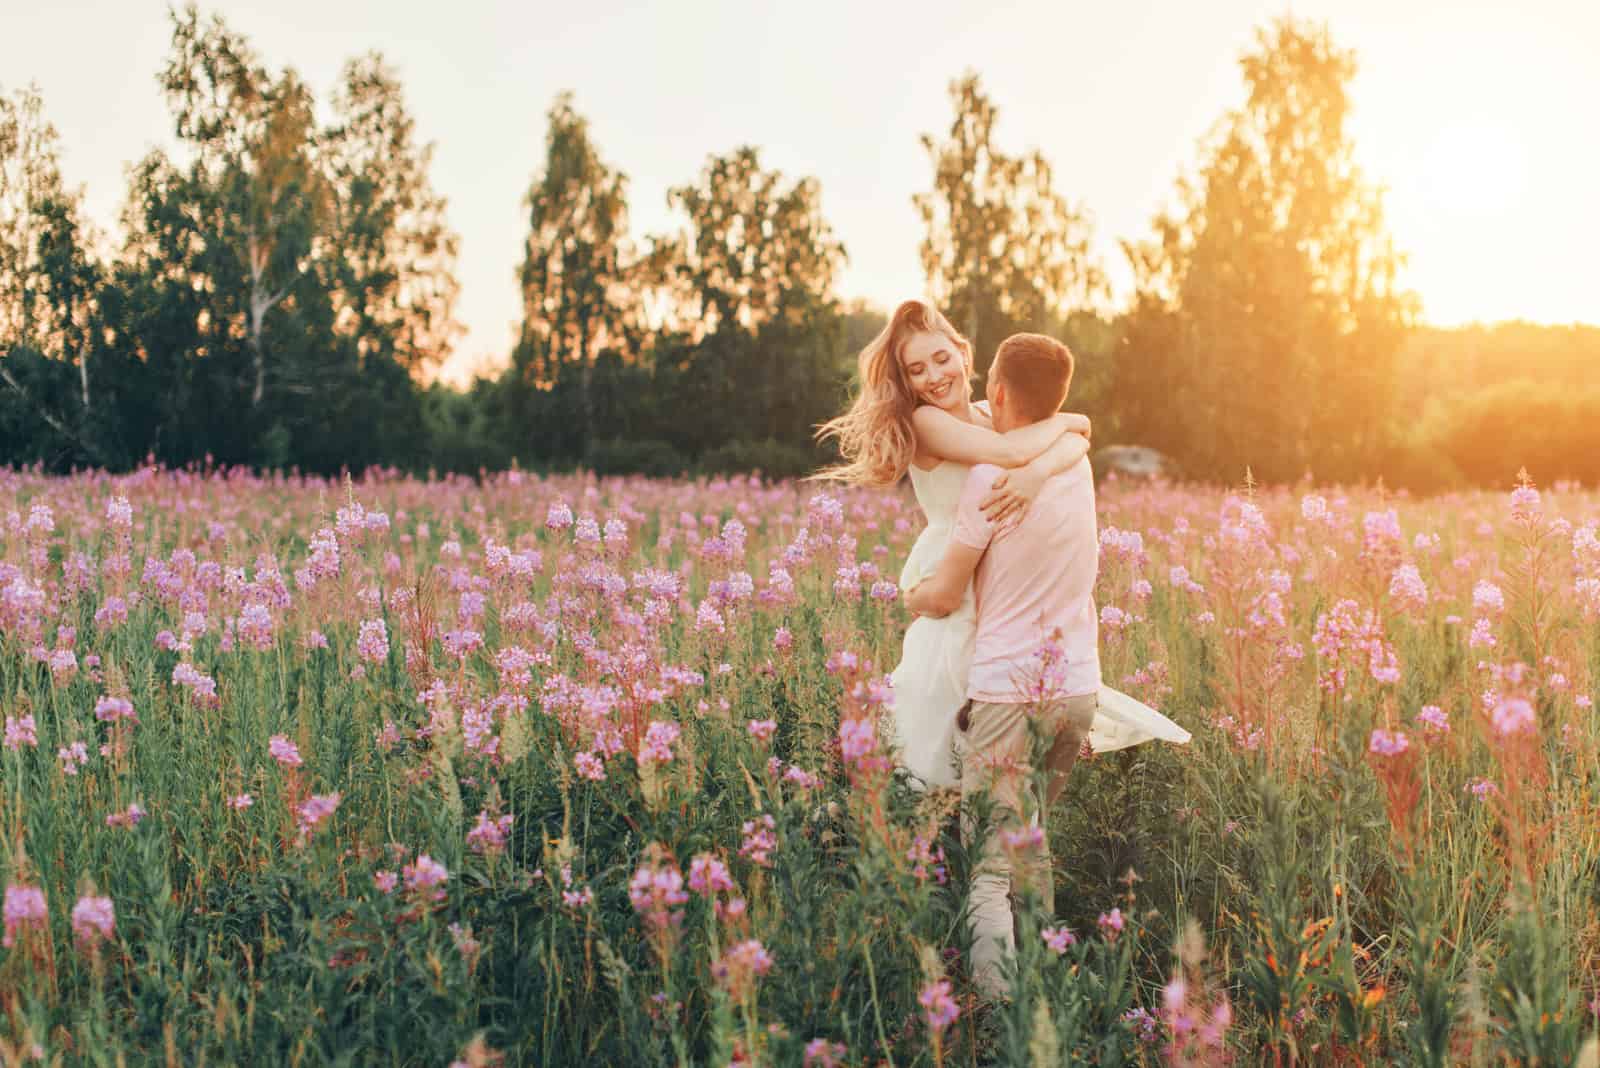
(1033, 579)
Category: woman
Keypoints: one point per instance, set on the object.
(915, 414)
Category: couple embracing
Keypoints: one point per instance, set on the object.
(1006, 564)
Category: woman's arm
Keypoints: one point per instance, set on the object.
(942, 435)
(1013, 491)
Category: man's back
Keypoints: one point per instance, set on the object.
(1033, 579)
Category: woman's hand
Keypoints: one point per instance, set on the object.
(1011, 494)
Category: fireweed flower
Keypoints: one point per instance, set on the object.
(240, 802)
(315, 810)
(558, 516)
(1111, 923)
(130, 817)
(1524, 504)
(284, 751)
(1487, 598)
(489, 836)
(657, 894)
(372, 645)
(462, 643)
(939, 1008)
(1144, 1023)
(708, 876)
(740, 966)
(1021, 839)
(657, 744)
(21, 731)
(24, 908)
(927, 860)
(760, 839)
(1434, 719)
(63, 664)
(1058, 939)
(589, 766)
(858, 739)
(385, 881)
(93, 921)
(425, 876)
(1388, 743)
(1407, 588)
(1513, 716)
(73, 757)
(762, 730)
(820, 1053)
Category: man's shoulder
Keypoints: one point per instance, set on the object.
(1077, 481)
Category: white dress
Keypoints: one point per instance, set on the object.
(930, 683)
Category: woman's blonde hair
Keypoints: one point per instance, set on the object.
(875, 436)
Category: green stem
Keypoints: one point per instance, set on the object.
(872, 985)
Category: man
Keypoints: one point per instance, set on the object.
(1033, 582)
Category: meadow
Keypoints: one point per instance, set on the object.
(566, 771)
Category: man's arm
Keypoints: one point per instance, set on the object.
(940, 593)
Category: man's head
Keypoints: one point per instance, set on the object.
(1028, 380)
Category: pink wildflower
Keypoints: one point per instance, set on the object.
(657, 744)
(284, 751)
(740, 966)
(21, 731)
(93, 921)
(708, 876)
(315, 810)
(1388, 743)
(426, 876)
(372, 645)
(24, 908)
(1058, 939)
(939, 1007)
(1513, 716)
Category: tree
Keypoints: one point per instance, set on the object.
(750, 284)
(1003, 250)
(1267, 316)
(576, 277)
(50, 280)
(754, 249)
(390, 251)
(253, 140)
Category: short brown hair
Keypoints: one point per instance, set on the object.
(1036, 370)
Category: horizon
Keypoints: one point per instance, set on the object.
(1487, 180)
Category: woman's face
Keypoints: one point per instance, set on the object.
(934, 368)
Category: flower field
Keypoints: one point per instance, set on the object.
(575, 772)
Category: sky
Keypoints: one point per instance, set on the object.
(1478, 118)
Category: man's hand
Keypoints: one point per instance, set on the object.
(941, 593)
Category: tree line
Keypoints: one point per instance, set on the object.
(282, 289)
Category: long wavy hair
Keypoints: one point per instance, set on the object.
(875, 436)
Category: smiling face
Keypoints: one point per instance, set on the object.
(935, 370)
